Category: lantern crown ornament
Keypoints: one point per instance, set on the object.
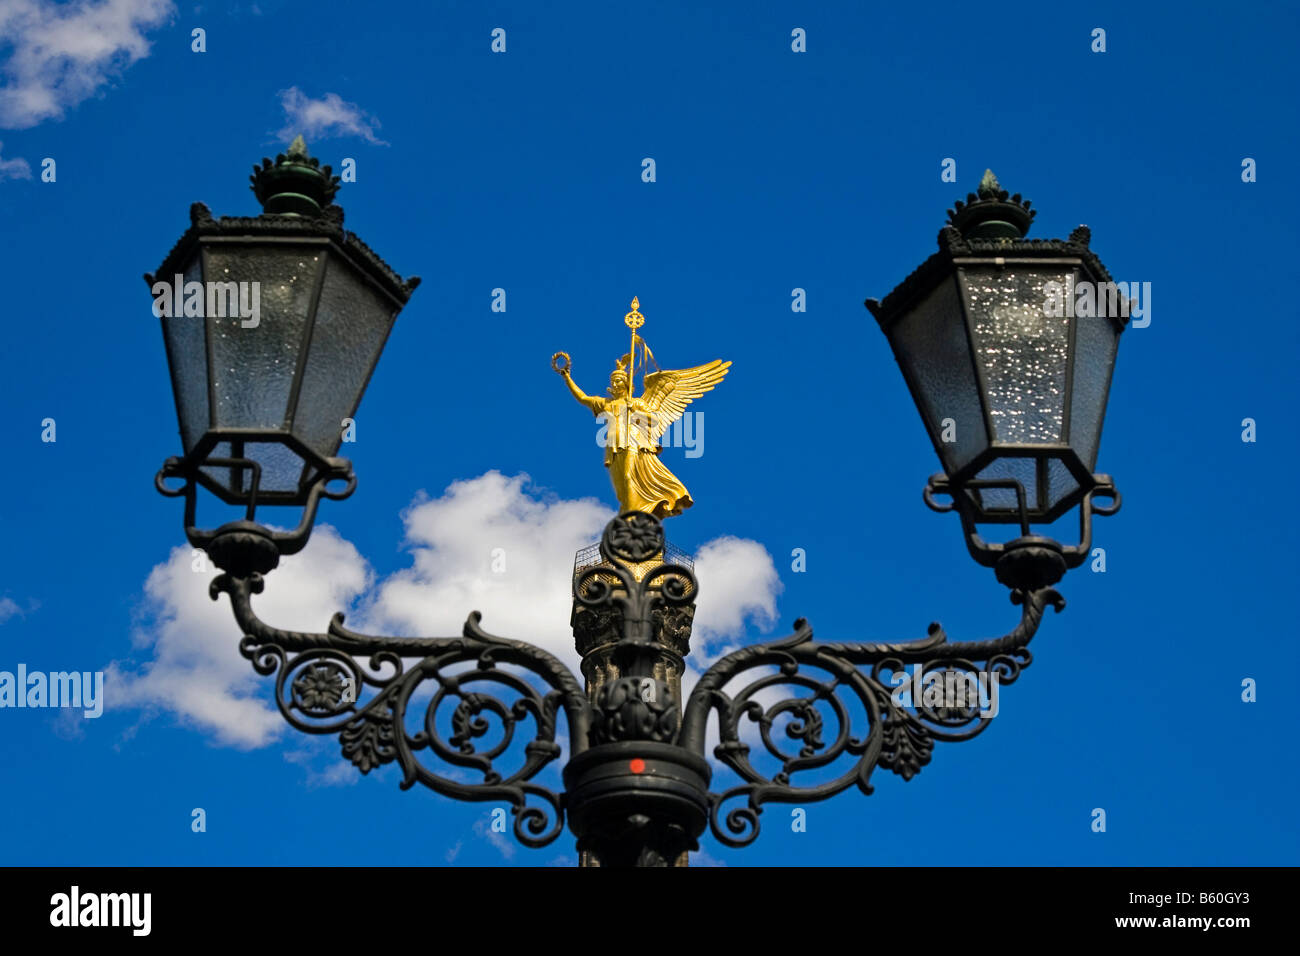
(1007, 345)
(295, 184)
(273, 325)
(991, 213)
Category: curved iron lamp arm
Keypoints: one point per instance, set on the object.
(897, 737)
(320, 684)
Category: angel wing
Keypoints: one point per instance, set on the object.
(667, 393)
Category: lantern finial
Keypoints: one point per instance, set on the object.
(991, 214)
(296, 184)
(988, 185)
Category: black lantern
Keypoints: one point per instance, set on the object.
(1007, 345)
(273, 325)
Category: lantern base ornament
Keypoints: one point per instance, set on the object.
(1030, 561)
(237, 542)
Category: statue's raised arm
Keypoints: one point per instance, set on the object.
(594, 402)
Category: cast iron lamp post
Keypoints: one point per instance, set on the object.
(1012, 397)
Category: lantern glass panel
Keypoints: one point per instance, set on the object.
(352, 323)
(187, 354)
(1023, 470)
(253, 367)
(226, 477)
(1096, 339)
(931, 345)
(281, 467)
(1060, 482)
(1022, 351)
(1046, 486)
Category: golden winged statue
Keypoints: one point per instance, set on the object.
(634, 425)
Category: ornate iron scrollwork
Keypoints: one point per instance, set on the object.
(637, 784)
(361, 688)
(897, 737)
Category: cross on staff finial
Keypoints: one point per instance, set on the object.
(634, 319)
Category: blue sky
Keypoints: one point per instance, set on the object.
(774, 170)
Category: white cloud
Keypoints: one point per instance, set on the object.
(456, 542)
(8, 608)
(328, 116)
(738, 584)
(16, 168)
(490, 543)
(63, 53)
(337, 772)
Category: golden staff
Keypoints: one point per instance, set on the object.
(634, 320)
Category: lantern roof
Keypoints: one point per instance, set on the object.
(976, 229)
(297, 194)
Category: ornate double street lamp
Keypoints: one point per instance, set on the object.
(273, 325)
